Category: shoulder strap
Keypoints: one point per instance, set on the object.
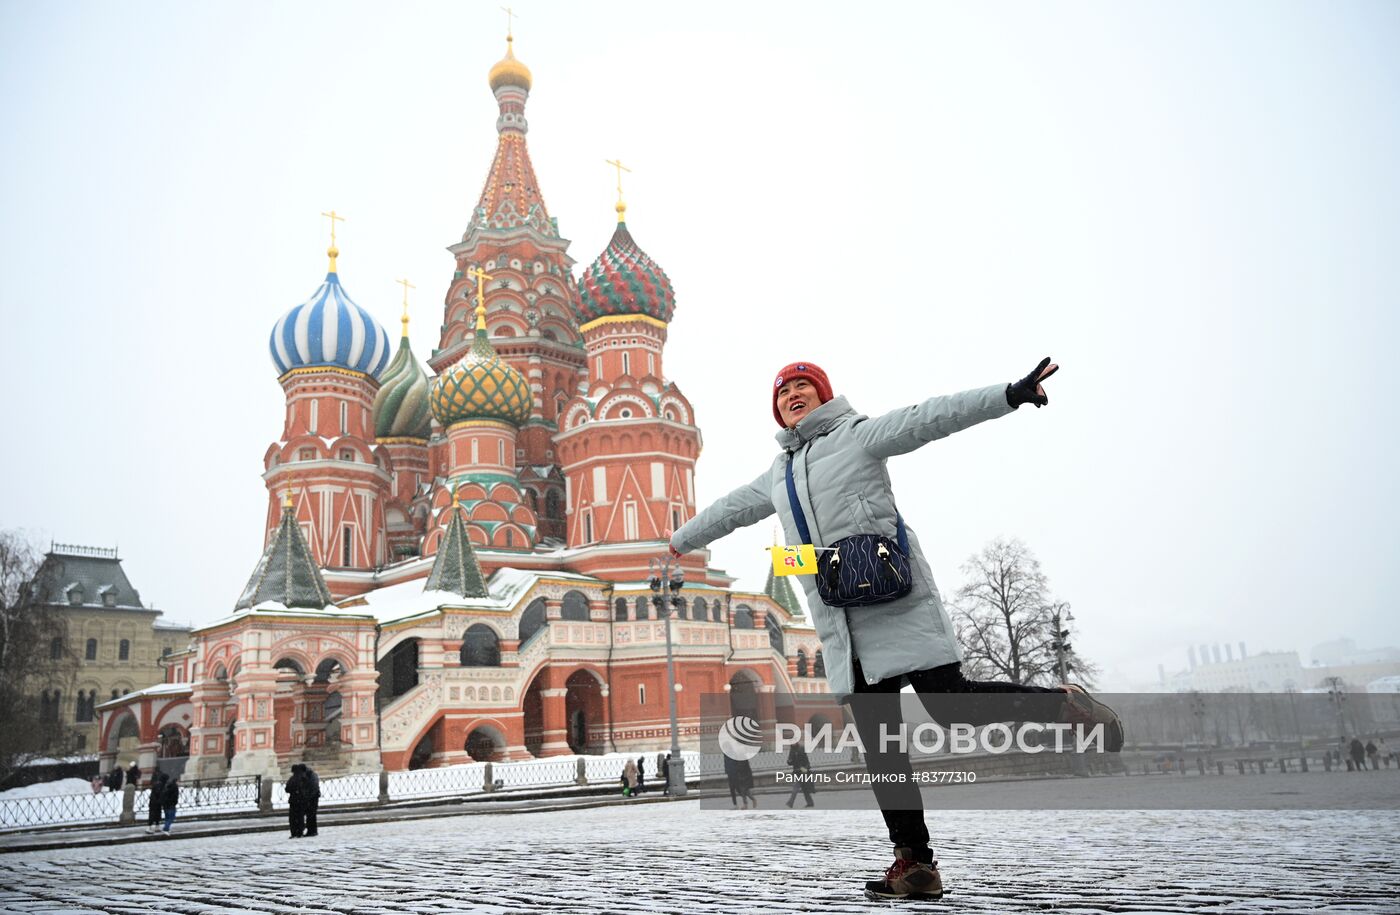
(797, 516)
(901, 535)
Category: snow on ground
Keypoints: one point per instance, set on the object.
(48, 789)
(677, 857)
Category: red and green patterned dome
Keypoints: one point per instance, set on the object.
(625, 281)
(481, 385)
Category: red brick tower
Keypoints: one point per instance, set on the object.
(629, 443)
(329, 353)
(531, 299)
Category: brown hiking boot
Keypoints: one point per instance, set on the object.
(1083, 709)
(907, 878)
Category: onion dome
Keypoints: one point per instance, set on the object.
(624, 280)
(481, 385)
(330, 330)
(508, 71)
(401, 406)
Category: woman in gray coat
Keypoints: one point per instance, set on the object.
(839, 479)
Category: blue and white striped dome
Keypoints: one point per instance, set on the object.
(329, 329)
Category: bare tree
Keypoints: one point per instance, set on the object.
(1005, 618)
(34, 656)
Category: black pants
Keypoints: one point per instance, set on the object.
(311, 806)
(155, 814)
(803, 784)
(878, 703)
(297, 819)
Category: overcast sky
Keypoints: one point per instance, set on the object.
(1195, 208)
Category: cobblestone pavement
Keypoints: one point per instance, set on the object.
(678, 858)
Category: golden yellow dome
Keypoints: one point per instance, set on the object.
(509, 71)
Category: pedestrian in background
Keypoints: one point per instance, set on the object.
(641, 774)
(629, 779)
(801, 774)
(666, 775)
(313, 798)
(114, 778)
(1358, 753)
(296, 800)
(133, 775)
(1373, 753)
(169, 801)
(154, 809)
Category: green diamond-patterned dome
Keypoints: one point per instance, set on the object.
(481, 385)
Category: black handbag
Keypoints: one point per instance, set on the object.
(861, 569)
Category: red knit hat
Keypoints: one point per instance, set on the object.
(808, 370)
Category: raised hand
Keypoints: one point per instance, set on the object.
(1028, 389)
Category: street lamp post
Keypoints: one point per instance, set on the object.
(669, 575)
(1061, 640)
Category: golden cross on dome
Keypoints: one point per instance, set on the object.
(510, 17)
(287, 500)
(456, 502)
(332, 252)
(481, 277)
(406, 286)
(621, 207)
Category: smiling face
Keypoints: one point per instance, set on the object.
(796, 399)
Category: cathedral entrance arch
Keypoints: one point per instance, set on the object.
(743, 694)
(485, 744)
(583, 710)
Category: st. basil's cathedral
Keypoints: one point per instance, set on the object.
(457, 556)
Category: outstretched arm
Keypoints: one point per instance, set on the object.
(902, 430)
(744, 506)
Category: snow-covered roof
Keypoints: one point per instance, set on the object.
(407, 600)
(160, 689)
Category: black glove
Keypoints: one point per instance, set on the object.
(1025, 390)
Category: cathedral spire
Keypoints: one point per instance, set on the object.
(286, 574)
(455, 569)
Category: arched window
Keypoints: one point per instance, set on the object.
(699, 610)
(620, 609)
(643, 608)
(717, 612)
(775, 632)
(575, 607)
(56, 648)
(90, 654)
(679, 609)
(819, 665)
(743, 617)
(551, 505)
(801, 663)
(532, 620)
(481, 647)
(124, 650)
(398, 670)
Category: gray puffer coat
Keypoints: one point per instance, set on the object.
(839, 471)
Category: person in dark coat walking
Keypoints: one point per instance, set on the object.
(296, 801)
(133, 775)
(1358, 753)
(641, 775)
(114, 778)
(155, 811)
(169, 801)
(801, 774)
(666, 775)
(313, 798)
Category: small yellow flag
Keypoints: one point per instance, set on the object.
(794, 560)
